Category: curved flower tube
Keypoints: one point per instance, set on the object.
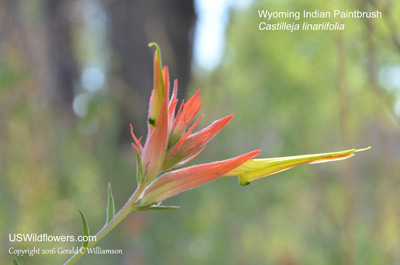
(258, 168)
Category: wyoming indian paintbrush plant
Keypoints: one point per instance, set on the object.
(170, 143)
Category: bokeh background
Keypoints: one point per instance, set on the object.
(75, 73)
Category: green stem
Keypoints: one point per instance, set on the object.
(128, 207)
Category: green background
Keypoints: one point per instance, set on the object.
(292, 93)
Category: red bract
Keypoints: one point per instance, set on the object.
(177, 181)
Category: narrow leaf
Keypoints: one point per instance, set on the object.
(163, 207)
(154, 206)
(257, 168)
(15, 261)
(139, 169)
(85, 229)
(110, 211)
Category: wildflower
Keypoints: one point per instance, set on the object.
(171, 143)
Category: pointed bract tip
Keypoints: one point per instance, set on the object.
(151, 44)
(157, 52)
(362, 149)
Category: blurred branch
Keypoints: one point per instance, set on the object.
(390, 23)
(349, 253)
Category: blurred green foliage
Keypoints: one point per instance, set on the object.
(292, 93)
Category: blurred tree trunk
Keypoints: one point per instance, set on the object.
(134, 24)
(63, 67)
(48, 41)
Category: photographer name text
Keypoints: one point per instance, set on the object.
(19, 252)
